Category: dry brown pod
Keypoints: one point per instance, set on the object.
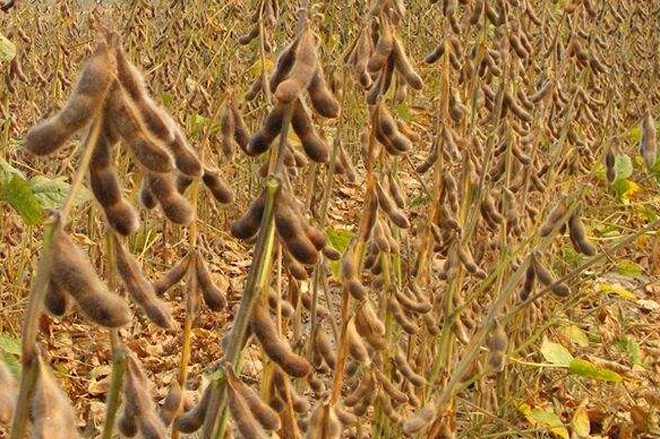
(275, 346)
(548, 279)
(192, 420)
(260, 141)
(648, 143)
(313, 145)
(404, 66)
(56, 299)
(52, 414)
(85, 101)
(266, 416)
(137, 399)
(324, 423)
(302, 71)
(291, 231)
(554, 217)
(321, 97)
(406, 370)
(217, 186)
(213, 296)
(173, 401)
(248, 224)
(175, 206)
(578, 235)
(356, 347)
(387, 204)
(610, 170)
(72, 271)
(364, 389)
(420, 419)
(172, 276)
(140, 289)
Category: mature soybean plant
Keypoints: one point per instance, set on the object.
(464, 171)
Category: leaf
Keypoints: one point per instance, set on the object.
(555, 353)
(7, 171)
(339, 239)
(403, 111)
(7, 49)
(629, 268)
(51, 193)
(18, 194)
(617, 289)
(545, 419)
(10, 344)
(623, 166)
(576, 335)
(587, 369)
(580, 422)
(628, 345)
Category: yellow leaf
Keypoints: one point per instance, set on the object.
(618, 290)
(546, 419)
(576, 335)
(580, 422)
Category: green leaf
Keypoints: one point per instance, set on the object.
(555, 353)
(7, 171)
(626, 267)
(628, 345)
(339, 239)
(51, 193)
(10, 344)
(18, 194)
(7, 49)
(587, 369)
(623, 166)
(576, 335)
(403, 111)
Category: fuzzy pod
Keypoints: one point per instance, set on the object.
(364, 389)
(172, 403)
(173, 276)
(383, 48)
(122, 217)
(324, 347)
(396, 192)
(553, 218)
(390, 135)
(175, 206)
(182, 183)
(289, 225)
(275, 346)
(8, 394)
(369, 326)
(53, 416)
(218, 187)
(56, 300)
(313, 145)
(125, 119)
(528, 283)
(158, 123)
(266, 416)
(356, 347)
(138, 402)
(260, 141)
(419, 420)
(390, 388)
(83, 103)
(404, 66)
(103, 178)
(73, 271)
(323, 422)
(248, 224)
(321, 97)
(331, 253)
(227, 130)
(213, 296)
(406, 370)
(516, 108)
(388, 205)
(548, 279)
(127, 424)
(498, 340)
(185, 158)
(140, 289)
(610, 170)
(241, 136)
(302, 71)
(295, 268)
(284, 64)
(254, 90)
(412, 304)
(192, 420)
(146, 197)
(401, 317)
(579, 237)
